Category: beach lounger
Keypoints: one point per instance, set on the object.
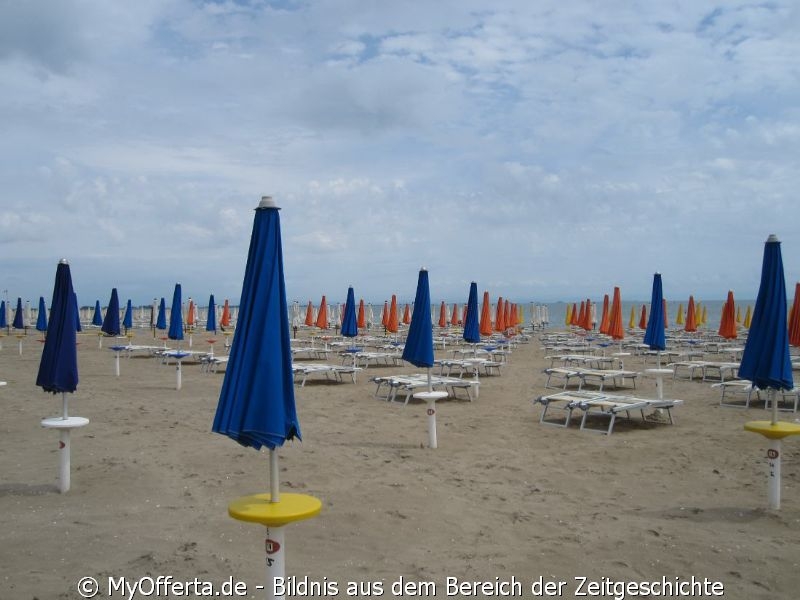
(301, 372)
(211, 364)
(407, 385)
(611, 406)
(734, 387)
(602, 376)
(567, 401)
(562, 373)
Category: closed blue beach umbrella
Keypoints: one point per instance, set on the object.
(111, 321)
(419, 343)
(58, 368)
(3, 319)
(766, 361)
(256, 405)
(654, 334)
(161, 321)
(19, 321)
(472, 332)
(176, 317)
(41, 318)
(211, 321)
(97, 319)
(349, 322)
(127, 320)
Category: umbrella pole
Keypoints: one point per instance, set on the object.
(178, 376)
(274, 479)
(774, 462)
(63, 449)
(774, 404)
(116, 364)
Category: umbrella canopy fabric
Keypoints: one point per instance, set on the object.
(765, 360)
(419, 343)
(19, 321)
(643, 318)
(727, 322)
(472, 333)
(161, 320)
(41, 318)
(256, 404)
(604, 319)
(666, 315)
(794, 318)
(322, 315)
(691, 317)
(309, 314)
(58, 367)
(455, 319)
(499, 316)
(654, 334)
(191, 317)
(3, 318)
(443, 314)
(391, 322)
(225, 319)
(77, 314)
(361, 320)
(97, 319)
(679, 320)
(211, 320)
(127, 320)
(486, 316)
(175, 331)
(111, 321)
(349, 324)
(615, 329)
(748, 317)
(632, 320)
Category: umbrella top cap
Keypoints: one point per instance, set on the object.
(267, 202)
(63, 261)
(772, 238)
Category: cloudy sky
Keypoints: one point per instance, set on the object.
(546, 149)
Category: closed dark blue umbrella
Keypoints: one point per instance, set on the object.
(419, 343)
(127, 320)
(77, 314)
(41, 318)
(58, 368)
(765, 360)
(175, 316)
(211, 322)
(19, 321)
(654, 334)
(161, 321)
(472, 332)
(349, 322)
(97, 319)
(3, 319)
(111, 321)
(256, 404)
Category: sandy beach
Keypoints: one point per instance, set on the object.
(503, 496)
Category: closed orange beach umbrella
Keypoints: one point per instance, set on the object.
(190, 316)
(322, 315)
(643, 317)
(486, 315)
(407, 315)
(362, 320)
(691, 318)
(507, 315)
(225, 320)
(604, 319)
(581, 315)
(393, 325)
(454, 317)
(615, 326)
(794, 318)
(664, 306)
(575, 314)
(498, 314)
(513, 321)
(442, 315)
(587, 316)
(310, 314)
(727, 323)
(385, 315)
